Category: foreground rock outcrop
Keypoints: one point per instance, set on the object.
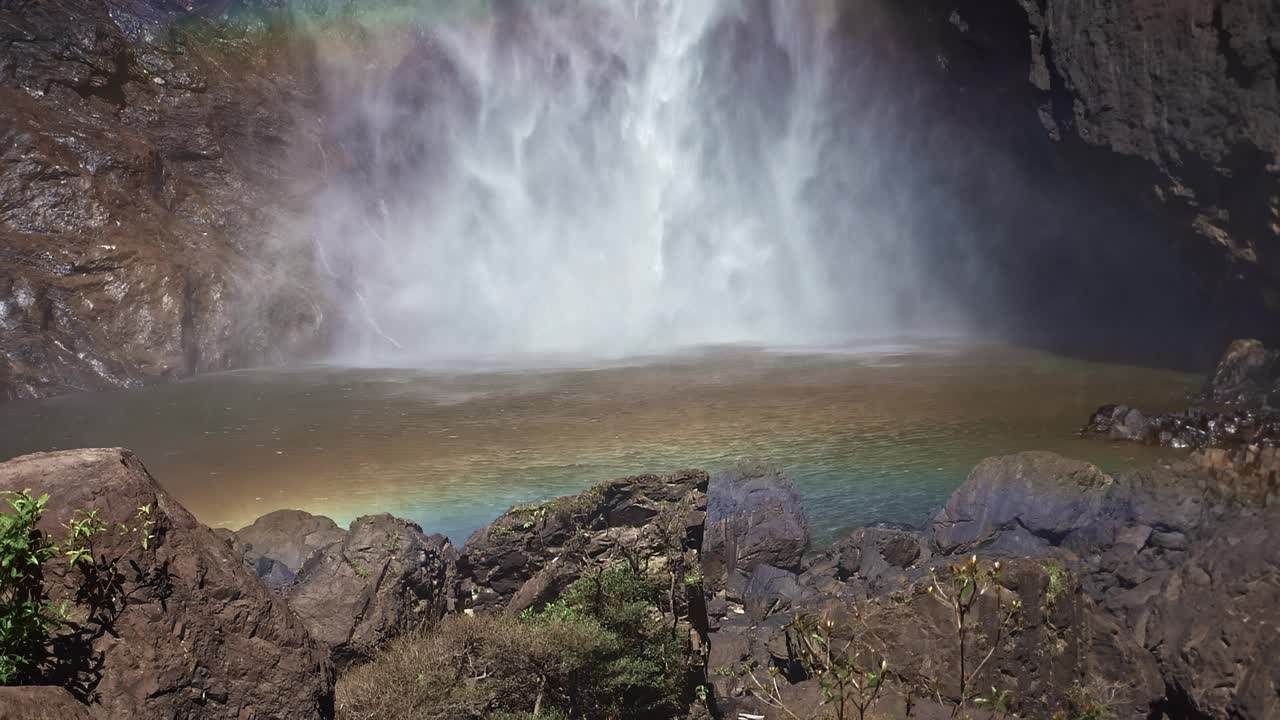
(527, 556)
(183, 630)
(1213, 624)
(354, 589)
(1150, 593)
(383, 578)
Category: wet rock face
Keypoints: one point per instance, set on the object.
(529, 555)
(145, 156)
(1214, 82)
(1132, 124)
(195, 634)
(383, 577)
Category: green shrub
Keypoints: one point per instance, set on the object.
(29, 622)
(647, 677)
(474, 667)
(1060, 583)
(26, 615)
(602, 650)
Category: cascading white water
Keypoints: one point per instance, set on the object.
(606, 178)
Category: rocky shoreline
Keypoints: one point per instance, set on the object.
(1238, 406)
(1156, 587)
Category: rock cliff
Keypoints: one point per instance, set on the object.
(146, 151)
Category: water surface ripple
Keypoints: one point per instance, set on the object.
(876, 433)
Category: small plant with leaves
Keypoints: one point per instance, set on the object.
(1060, 583)
(27, 617)
(849, 683)
(102, 588)
(81, 529)
(997, 702)
(29, 622)
(961, 591)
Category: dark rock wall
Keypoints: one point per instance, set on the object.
(1130, 151)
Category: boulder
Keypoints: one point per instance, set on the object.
(754, 517)
(384, 577)
(1245, 374)
(769, 590)
(185, 630)
(277, 544)
(1042, 493)
(525, 557)
(878, 558)
(35, 702)
(1119, 422)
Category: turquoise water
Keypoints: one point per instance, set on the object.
(878, 432)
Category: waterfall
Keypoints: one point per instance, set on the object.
(607, 178)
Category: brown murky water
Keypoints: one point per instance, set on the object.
(880, 432)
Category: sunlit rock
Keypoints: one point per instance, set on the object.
(192, 632)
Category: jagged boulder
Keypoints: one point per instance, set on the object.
(1043, 493)
(384, 577)
(878, 558)
(277, 544)
(526, 557)
(754, 517)
(190, 632)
